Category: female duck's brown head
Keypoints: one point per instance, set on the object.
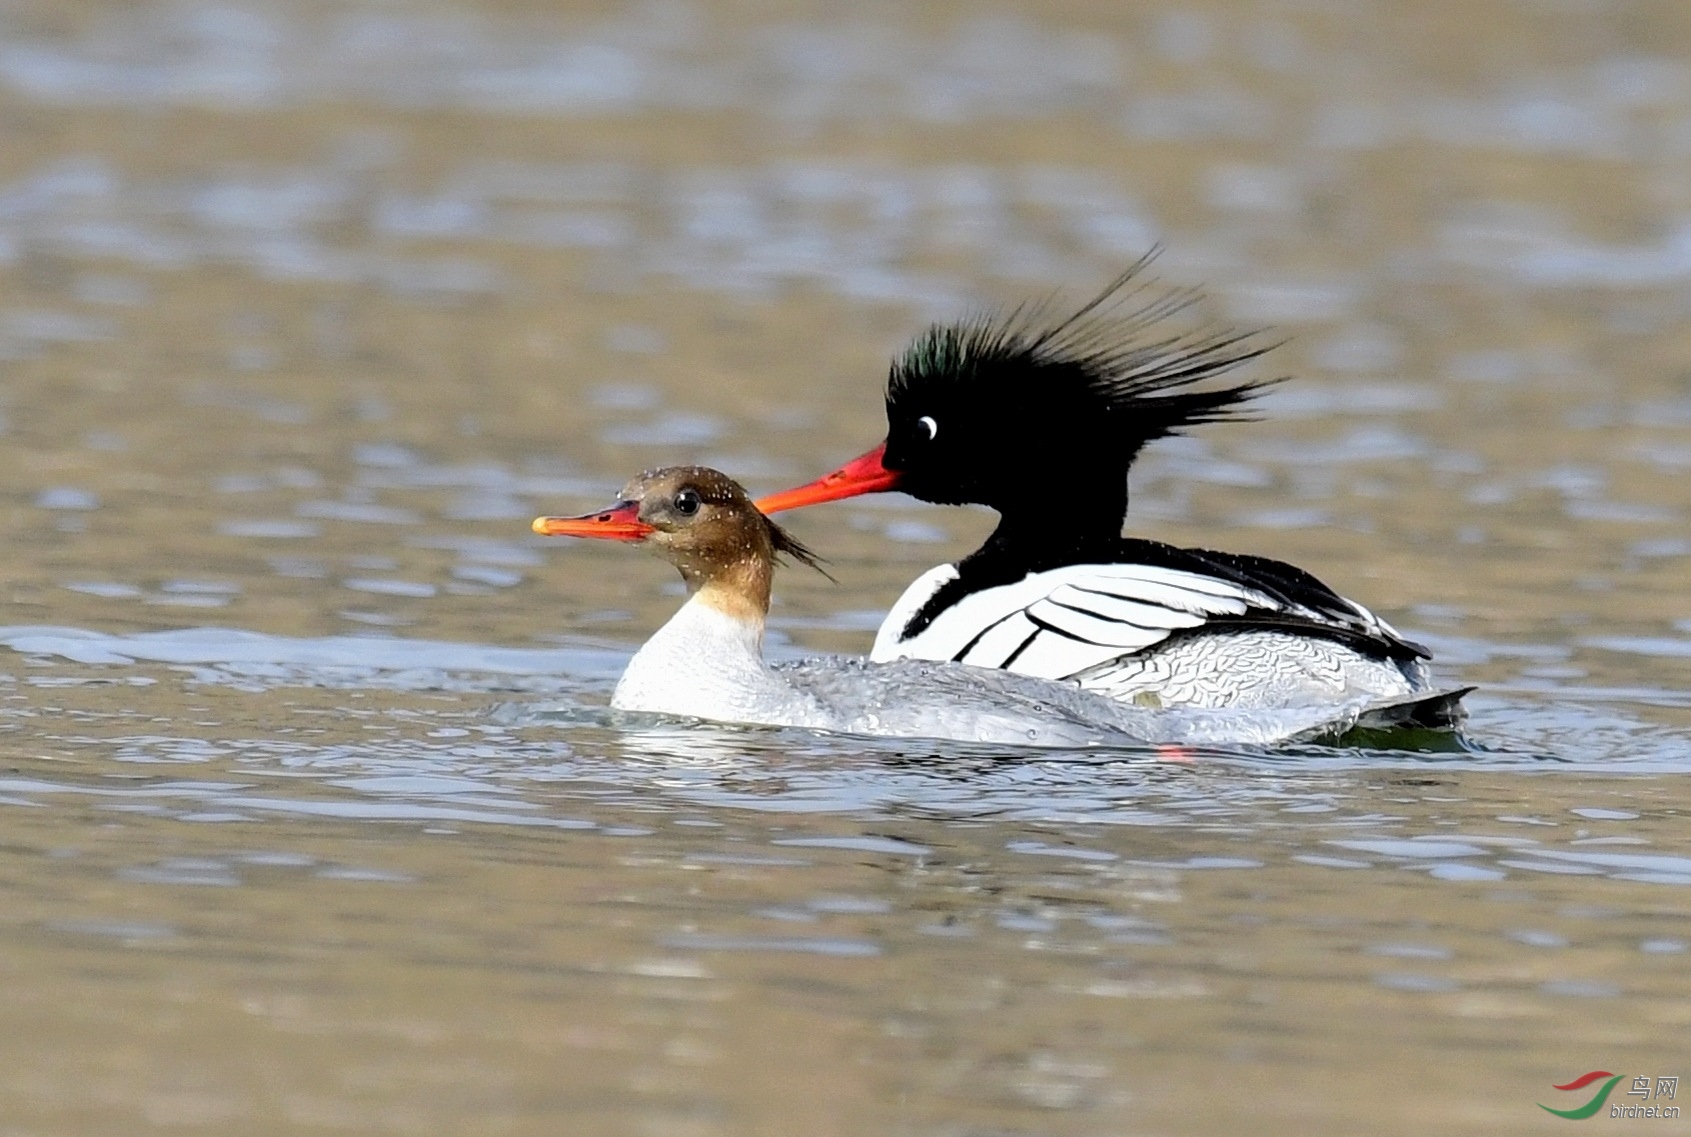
(701, 521)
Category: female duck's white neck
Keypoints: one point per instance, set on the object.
(707, 661)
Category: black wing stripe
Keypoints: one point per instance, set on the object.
(1108, 619)
(1195, 610)
(1010, 660)
(980, 635)
(1068, 635)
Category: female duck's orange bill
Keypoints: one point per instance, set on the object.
(864, 474)
(620, 522)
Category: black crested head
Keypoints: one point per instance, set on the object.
(1015, 409)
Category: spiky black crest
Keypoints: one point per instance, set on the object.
(1123, 360)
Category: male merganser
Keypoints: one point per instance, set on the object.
(707, 661)
(1028, 412)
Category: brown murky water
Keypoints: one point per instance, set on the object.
(313, 823)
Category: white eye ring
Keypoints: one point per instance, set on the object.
(930, 425)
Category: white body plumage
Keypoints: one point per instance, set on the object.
(1144, 633)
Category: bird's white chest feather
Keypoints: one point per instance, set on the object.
(703, 663)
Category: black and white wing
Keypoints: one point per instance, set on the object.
(1057, 623)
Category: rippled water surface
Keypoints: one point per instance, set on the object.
(315, 819)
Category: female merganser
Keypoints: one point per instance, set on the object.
(1021, 413)
(707, 661)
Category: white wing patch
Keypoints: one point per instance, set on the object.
(1057, 623)
(887, 645)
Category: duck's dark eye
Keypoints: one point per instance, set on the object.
(687, 502)
(928, 427)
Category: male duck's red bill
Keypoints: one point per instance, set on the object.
(863, 474)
